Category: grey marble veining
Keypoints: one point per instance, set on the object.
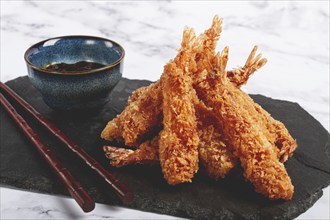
(293, 36)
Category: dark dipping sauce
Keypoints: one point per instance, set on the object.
(80, 66)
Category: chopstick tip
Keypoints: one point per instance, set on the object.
(88, 207)
(128, 198)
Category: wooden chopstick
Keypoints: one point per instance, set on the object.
(84, 200)
(123, 192)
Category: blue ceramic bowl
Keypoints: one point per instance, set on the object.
(83, 90)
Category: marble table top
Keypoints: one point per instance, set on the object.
(294, 36)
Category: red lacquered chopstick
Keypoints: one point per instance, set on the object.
(75, 189)
(124, 193)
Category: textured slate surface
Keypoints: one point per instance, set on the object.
(232, 198)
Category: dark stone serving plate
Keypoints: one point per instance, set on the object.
(204, 198)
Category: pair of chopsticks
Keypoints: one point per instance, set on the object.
(83, 199)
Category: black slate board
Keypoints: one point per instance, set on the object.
(231, 198)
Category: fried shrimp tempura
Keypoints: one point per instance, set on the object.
(214, 152)
(257, 156)
(178, 152)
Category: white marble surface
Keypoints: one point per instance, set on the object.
(294, 36)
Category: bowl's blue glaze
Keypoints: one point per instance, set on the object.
(74, 91)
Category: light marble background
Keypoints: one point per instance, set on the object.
(294, 36)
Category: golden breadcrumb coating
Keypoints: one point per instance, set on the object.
(258, 158)
(178, 152)
(137, 118)
(276, 133)
(214, 153)
(137, 94)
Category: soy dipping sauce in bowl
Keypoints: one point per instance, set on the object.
(78, 67)
(75, 72)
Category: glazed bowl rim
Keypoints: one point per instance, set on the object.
(109, 66)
